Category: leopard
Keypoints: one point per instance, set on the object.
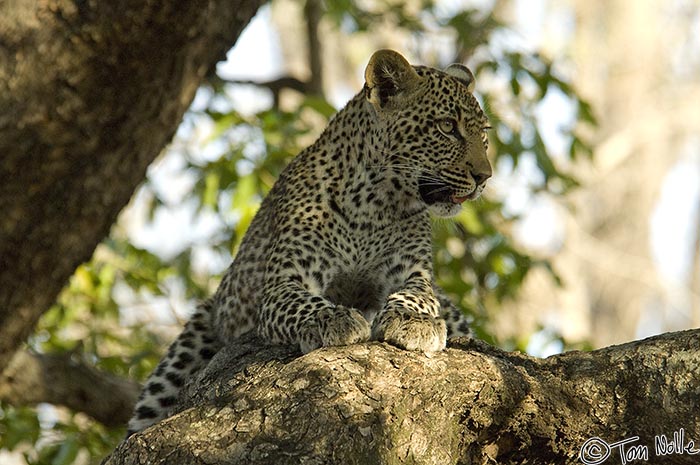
(340, 251)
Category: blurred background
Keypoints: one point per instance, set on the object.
(588, 234)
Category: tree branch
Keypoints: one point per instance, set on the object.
(90, 92)
(472, 404)
(312, 14)
(276, 86)
(63, 380)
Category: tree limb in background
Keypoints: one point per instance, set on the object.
(472, 404)
(90, 92)
(312, 15)
(32, 378)
(276, 86)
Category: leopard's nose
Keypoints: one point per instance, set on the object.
(480, 177)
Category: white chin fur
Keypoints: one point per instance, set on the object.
(444, 210)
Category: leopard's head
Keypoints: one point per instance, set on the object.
(430, 130)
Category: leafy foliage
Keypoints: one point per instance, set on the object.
(104, 310)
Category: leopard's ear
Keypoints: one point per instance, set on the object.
(387, 76)
(463, 74)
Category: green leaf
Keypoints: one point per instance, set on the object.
(585, 113)
(515, 85)
(19, 426)
(211, 190)
(245, 203)
(67, 452)
(223, 122)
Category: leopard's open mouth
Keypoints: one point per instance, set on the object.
(434, 191)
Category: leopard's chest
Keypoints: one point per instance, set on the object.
(360, 289)
(364, 270)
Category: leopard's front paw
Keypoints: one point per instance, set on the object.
(410, 330)
(341, 326)
(309, 338)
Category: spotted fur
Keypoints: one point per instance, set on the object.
(340, 251)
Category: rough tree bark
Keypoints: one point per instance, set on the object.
(90, 92)
(472, 404)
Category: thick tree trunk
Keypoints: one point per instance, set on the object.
(90, 92)
(472, 404)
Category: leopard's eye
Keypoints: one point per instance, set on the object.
(448, 126)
